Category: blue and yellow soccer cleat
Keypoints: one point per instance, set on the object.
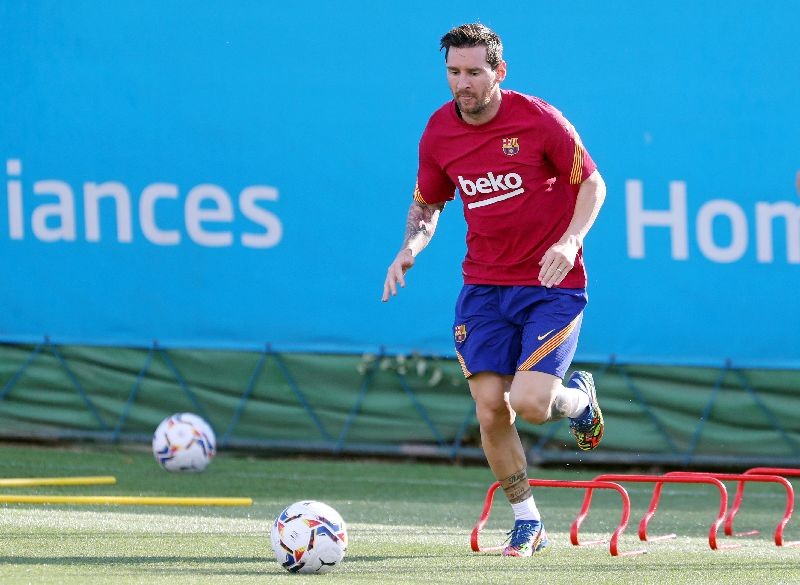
(588, 429)
(526, 538)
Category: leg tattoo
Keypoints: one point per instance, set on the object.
(516, 486)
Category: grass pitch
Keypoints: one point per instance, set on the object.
(407, 522)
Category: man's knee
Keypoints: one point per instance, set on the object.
(532, 395)
(532, 407)
(489, 391)
(494, 414)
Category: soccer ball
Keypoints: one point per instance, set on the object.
(184, 442)
(309, 537)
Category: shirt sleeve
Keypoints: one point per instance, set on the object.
(433, 185)
(564, 147)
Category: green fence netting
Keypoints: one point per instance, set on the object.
(389, 405)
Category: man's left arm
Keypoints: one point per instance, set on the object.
(560, 258)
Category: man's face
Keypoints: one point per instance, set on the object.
(471, 79)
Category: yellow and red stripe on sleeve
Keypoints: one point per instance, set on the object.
(576, 175)
(418, 195)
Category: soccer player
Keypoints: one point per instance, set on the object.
(530, 192)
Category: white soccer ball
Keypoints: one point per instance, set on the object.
(184, 442)
(309, 537)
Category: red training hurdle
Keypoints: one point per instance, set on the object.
(659, 480)
(588, 485)
(779, 471)
(743, 478)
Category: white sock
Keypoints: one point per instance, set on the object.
(526, 510)
(574, 402)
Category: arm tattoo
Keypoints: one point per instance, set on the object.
(420, 226)
(516, 486)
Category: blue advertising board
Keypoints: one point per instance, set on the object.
(231, 175)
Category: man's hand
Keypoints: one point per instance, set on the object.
(557, 261)
(560, 258)
(396, 273)
(420, 226)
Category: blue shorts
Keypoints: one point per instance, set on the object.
(505, 329)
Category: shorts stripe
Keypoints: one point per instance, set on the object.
(548, 346)
(464, 369)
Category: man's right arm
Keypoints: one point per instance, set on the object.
(420, 227)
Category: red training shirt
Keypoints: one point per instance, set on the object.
(518, 176)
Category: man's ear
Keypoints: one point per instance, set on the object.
(501, 71)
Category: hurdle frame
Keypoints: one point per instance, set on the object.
(659, 480)
(779, 471)
(742, 479)
(589, 485)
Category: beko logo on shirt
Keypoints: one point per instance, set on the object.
(509, 185)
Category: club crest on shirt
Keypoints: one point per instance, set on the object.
(510, 146)
(460, 333)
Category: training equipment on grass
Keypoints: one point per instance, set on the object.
(184, 442)
(659, 480)
(44, 481)
(742, 479)
(309, 537)
(553, 483)
(102, 500)
(770, 471)
(125, 500)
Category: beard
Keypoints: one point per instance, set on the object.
(478, 103)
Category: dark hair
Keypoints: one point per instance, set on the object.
(474, 35)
